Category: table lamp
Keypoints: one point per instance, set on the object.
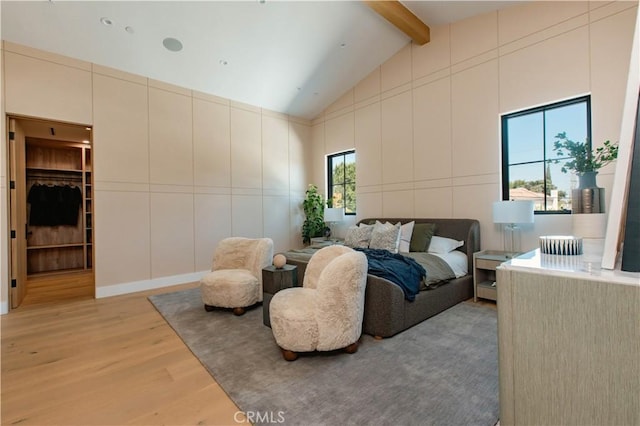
(511, 214)
(331, 216)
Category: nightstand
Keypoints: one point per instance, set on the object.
(323, 242)
(273, 280)
(484, 273)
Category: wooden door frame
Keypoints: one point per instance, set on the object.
(17, 214)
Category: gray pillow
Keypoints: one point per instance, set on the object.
(358, 236)
(385, 236)
(421, 237)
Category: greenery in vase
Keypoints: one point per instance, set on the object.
(313, 206)
(582, 158)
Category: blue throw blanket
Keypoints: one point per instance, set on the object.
(399, 269)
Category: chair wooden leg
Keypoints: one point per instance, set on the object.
(352, 348)
(378, 337)
(289, 355)
(239, 311)
(208, 308)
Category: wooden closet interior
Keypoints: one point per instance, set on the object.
(56, 198)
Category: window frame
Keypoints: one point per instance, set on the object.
(330, 183)
(504, 118)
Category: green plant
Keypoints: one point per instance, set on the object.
(582, 157)
(313, 206)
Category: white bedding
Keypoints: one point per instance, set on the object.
(457, 260)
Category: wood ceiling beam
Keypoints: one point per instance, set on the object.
(396, 13)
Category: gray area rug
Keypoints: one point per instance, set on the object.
(443, 371)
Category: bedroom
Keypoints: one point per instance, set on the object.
(477, 69)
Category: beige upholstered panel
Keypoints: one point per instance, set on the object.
(368, 145)
(172, 249)
(246, 149)
(211, 144)
(40, 88)
(526, 78)
(397, 139)
(397, 70)
(212, 216)
(433, 56)
(121, 130)
(473, 36)
(432, 131)
(170, 138)
(474, 101)
(275, 155)
(339, 133)
(123, 249)
(518, 22)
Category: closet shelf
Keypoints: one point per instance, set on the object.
(49, 169)
(55, 246)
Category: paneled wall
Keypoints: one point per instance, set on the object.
(426, 124)
(175, 170)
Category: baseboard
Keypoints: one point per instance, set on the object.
(135, 286)
(4, 308)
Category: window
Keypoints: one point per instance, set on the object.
(530, 168)
(341, 180)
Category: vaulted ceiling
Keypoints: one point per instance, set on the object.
(295, 57)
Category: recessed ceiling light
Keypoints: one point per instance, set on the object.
(343, 44)
(106, 21)
(172, 44)
(130, 30)
(223, 62)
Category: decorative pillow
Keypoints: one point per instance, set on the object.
(406, 231)
(358, 236)
(385, 236)
(443, 245)
(421, 237)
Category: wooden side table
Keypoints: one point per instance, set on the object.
(274, 280)
(484, 273)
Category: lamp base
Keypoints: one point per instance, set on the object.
(512, 239)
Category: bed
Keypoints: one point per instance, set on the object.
(388, 309)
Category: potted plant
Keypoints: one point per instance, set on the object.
(313, 206)
(585, 163)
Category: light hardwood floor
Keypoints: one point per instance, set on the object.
(111, 361)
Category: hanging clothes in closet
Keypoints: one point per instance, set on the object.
(53, 205)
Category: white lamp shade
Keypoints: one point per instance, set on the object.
(517, 211)
(333, 215)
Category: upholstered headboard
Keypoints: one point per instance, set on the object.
(467, 230)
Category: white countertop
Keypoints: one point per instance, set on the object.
(586, 266)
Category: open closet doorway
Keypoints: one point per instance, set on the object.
(51, 211)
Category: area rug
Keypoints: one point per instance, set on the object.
(443, 371)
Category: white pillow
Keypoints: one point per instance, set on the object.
(406, 231)
(443, 245)
(358, 236)
(385, 236)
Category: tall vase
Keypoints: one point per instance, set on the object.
(587, 197)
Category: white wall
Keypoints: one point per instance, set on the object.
(426, 124)
(175, 170)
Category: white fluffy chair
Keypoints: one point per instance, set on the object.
(326, 312)
(235, 280)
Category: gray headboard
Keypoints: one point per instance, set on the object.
(467, 230)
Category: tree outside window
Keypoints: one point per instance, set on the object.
(530, 170)
(341, 180)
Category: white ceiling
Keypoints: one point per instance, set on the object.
(295, 57)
